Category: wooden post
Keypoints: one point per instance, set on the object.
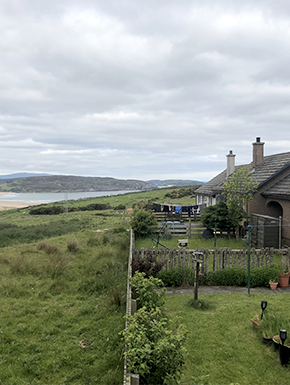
(196, 280)
(197, 262)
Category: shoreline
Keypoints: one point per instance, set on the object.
(7, 205)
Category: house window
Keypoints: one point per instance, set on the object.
(220, 198)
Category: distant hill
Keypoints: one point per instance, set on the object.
(21, 175)
(69, 183)
(175, 182)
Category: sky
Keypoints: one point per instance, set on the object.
(136, 89)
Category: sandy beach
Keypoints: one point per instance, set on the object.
(7, 205)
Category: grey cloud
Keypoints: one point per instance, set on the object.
(139, 89)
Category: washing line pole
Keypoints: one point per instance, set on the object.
(280, 232)
(213, 262)
(249, 257)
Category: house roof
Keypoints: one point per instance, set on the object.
(272, 165)
(279, 189)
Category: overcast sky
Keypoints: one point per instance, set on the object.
(142, 89)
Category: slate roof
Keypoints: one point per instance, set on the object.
(272, 165)
(280, 189)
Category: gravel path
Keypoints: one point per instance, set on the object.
(223, 290)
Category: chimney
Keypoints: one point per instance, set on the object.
(230, 163)
(258, 152)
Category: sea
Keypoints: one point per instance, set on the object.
(30, 198)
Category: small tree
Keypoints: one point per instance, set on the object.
(143, 223)
(238, 190)
(217, 215)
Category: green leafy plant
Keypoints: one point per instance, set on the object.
(219, 216)
(155, 348)
(177, 276)
(238, 191)
(143, 223)
(147, 291)
(238, 276)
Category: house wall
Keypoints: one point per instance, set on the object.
(265, 206)
(204, 199)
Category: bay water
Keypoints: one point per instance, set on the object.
(56, 197)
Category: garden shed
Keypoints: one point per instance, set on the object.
(265, 231)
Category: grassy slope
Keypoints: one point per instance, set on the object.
(222, 346)
(61, 311)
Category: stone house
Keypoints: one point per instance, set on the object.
(272, 197)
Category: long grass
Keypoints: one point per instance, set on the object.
(61, 311)
(223, 347)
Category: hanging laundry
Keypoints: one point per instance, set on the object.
(178, 209)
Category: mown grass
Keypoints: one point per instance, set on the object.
(222, 345)
(62, 306)
(193, 243)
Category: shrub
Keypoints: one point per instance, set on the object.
(147, 265)
(260, 276)
(120, 207)
(154, 351)
(177, 276)
(238, 276)
(47, 210)
(143, 223)
(147, 291)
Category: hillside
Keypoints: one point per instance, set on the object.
(175, 182)
(64, 183)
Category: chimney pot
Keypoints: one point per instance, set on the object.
(258, 140)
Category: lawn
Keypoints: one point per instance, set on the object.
(193, 243)
(222, 345)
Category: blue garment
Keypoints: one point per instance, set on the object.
(178, 209)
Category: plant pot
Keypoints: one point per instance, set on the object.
(276, 344)
(284, 280)
(284, 355)
(267, 340)
(273, 285)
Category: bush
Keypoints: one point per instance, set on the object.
(47, 210)
(147, 291)
(154, 351)
(177, 276)
(260, 276)
(120, 207)
(238, 276)
(147, 265)
(143, 223)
